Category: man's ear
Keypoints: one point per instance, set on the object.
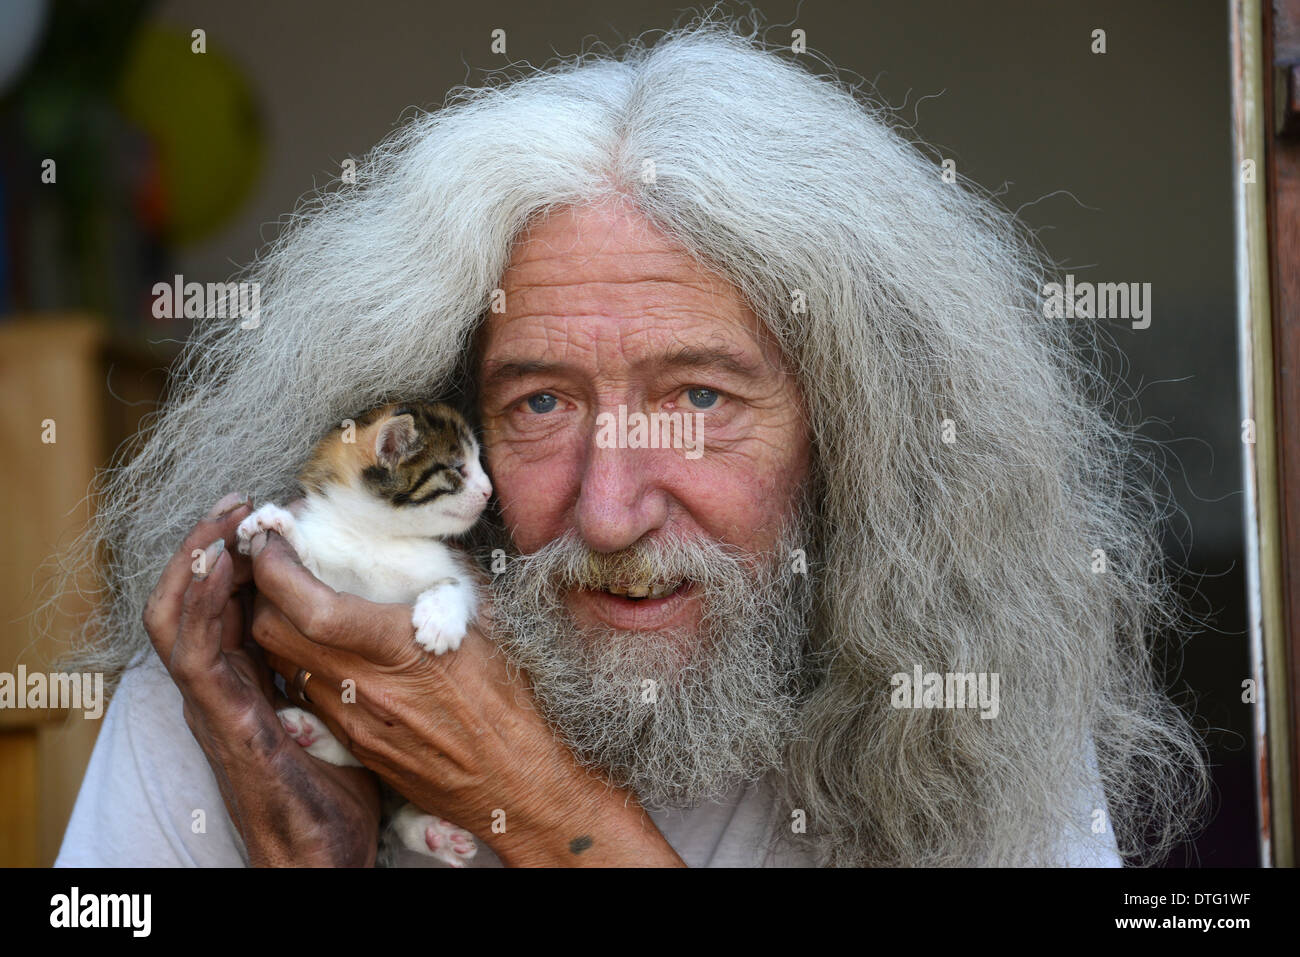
(396, 440)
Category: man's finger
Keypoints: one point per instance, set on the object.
(197, 662)
(319, 686)
(232, 623)
(285, 668)
(276, 636)
(324, 696)
(322, 615)
(163, 609)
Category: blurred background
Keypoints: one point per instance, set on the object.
(133, 149)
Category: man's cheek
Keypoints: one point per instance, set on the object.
(745, 507)
(532, 447)
(753, 474)
(535, 491)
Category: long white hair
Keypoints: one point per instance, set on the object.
(910, 307)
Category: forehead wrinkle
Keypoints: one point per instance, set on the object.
(675, 355)
(662, 337)
(621, 306)
(601, 295)
(632, 313)
(529, 268)
(658, 301)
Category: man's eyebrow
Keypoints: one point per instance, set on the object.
(690, 357)
(499, 371)
(693, 357)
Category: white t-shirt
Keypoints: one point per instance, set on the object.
(148, 779)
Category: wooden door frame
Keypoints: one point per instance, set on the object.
(1265, 51)
(1282, 113)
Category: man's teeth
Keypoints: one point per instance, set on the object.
(643, 591)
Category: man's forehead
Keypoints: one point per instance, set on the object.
(606, 273)
(642, 327)
(603, 245)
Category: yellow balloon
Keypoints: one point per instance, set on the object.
(204, 122)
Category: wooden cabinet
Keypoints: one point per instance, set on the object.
(55, 375)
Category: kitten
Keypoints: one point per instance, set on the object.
(375, 511)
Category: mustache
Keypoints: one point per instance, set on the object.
(567, 563)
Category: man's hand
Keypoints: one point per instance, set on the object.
(289, 808)
(456, 734)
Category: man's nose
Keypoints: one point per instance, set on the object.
(619, 501)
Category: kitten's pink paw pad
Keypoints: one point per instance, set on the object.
(299, 726)
(449, 843)
(268, 518)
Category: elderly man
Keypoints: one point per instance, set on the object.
(900, 481)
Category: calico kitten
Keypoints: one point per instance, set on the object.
(372, 522)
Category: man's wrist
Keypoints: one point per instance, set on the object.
(594, 825)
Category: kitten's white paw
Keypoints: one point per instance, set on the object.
(434, 836)
(440, 620)
(310, 732)
(447, 842)
(267, 518)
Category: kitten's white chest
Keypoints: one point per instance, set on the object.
(378, 565)
(378, 569)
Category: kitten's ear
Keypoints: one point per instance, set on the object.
(396, 440)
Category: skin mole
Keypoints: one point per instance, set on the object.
(580, 844)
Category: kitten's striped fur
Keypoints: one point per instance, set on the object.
(437, 444)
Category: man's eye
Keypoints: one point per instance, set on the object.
(702, 398)
(542, 402)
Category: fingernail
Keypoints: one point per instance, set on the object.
(256, 544)
(228, 504)
(210, 556)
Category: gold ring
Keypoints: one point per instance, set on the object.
(300, 684)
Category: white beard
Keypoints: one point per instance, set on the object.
(676, 732)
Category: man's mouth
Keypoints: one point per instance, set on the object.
(638, 606)
(640, 590)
